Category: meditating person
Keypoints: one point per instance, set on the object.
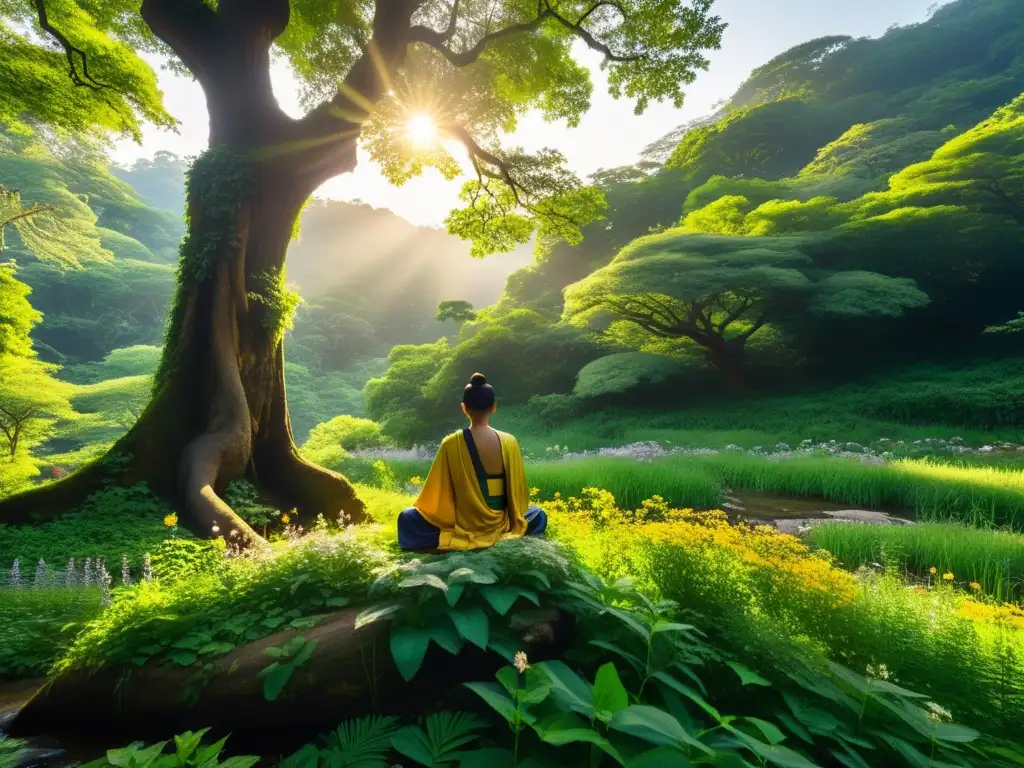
(476, 490)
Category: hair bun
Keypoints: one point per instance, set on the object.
(477, 380)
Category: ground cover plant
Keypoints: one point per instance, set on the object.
(729, 619)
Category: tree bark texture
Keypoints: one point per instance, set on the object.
(351, 673)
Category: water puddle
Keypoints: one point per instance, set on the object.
(795, 515)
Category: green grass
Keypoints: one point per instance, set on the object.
(992, 559)
(979, 495)
(111, 523)
(37, 625)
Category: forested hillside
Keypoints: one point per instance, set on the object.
(856, 206)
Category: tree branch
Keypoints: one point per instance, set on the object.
(438, 40)
(84, 80)
(191, 28)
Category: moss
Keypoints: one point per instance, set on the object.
(217, 186)
(279, 302)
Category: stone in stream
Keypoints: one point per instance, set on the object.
(797, 526)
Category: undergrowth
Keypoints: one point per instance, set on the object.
(990, 562)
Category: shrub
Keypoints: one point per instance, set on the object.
(329, 442)
(37, 625)
(761, 588)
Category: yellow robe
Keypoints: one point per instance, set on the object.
(452, 501)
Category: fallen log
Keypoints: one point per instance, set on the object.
(351, 673)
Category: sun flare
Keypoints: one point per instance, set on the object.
(421, 130)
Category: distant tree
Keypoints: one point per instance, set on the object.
(720, 291)
(459, 311)
(31, 403)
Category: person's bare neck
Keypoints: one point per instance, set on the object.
(480, 422)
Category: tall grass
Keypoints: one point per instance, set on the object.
(976, 495)
(992, 559)
(38, 624)
(979, 495)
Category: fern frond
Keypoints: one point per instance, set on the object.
(363, 742)
(448, 731)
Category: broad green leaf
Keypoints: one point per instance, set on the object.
(216, 648)
(502, 598)
(454, 593)
(446, 636)
(794, 726)
(770, 730)
(496, 698)
(660, 757)
(477, 576)
(689, 693)
(208, 753)
(408, 647)
(377, 613)
(910, 753)
(567, 728)
(303, 655)
(747, 676)
(337, 602)
(569, 688)
(956, 733)
(652, 725)
(183, 657)
(609, 694)
(472, 624)
(531, 688)
(541, 577)
(412, 742)
(424, 580)
(668, 626)
(239, 761)
(776, 754)
(632, 658)
(275, 678)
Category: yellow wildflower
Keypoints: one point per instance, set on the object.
(285, 519)
(932, 570)
(975, 586)
(947, 576)
(171, 520)
(521, 662)
(534, 493)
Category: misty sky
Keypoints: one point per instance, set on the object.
(609, 135)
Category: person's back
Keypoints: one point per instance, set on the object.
(476, 490)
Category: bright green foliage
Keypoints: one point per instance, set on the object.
(459, 311)
(189, 749)
(279, 303)
(115, 86)
(1016, 325)
(866, 294)
(111, 523)
(621, 373)
(38, 624)
(16, 314)
(329, 442)
(31, 403)
(991, 559)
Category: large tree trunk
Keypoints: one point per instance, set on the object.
(726, 357)
(219, 410)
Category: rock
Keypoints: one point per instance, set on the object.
(797, 526)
